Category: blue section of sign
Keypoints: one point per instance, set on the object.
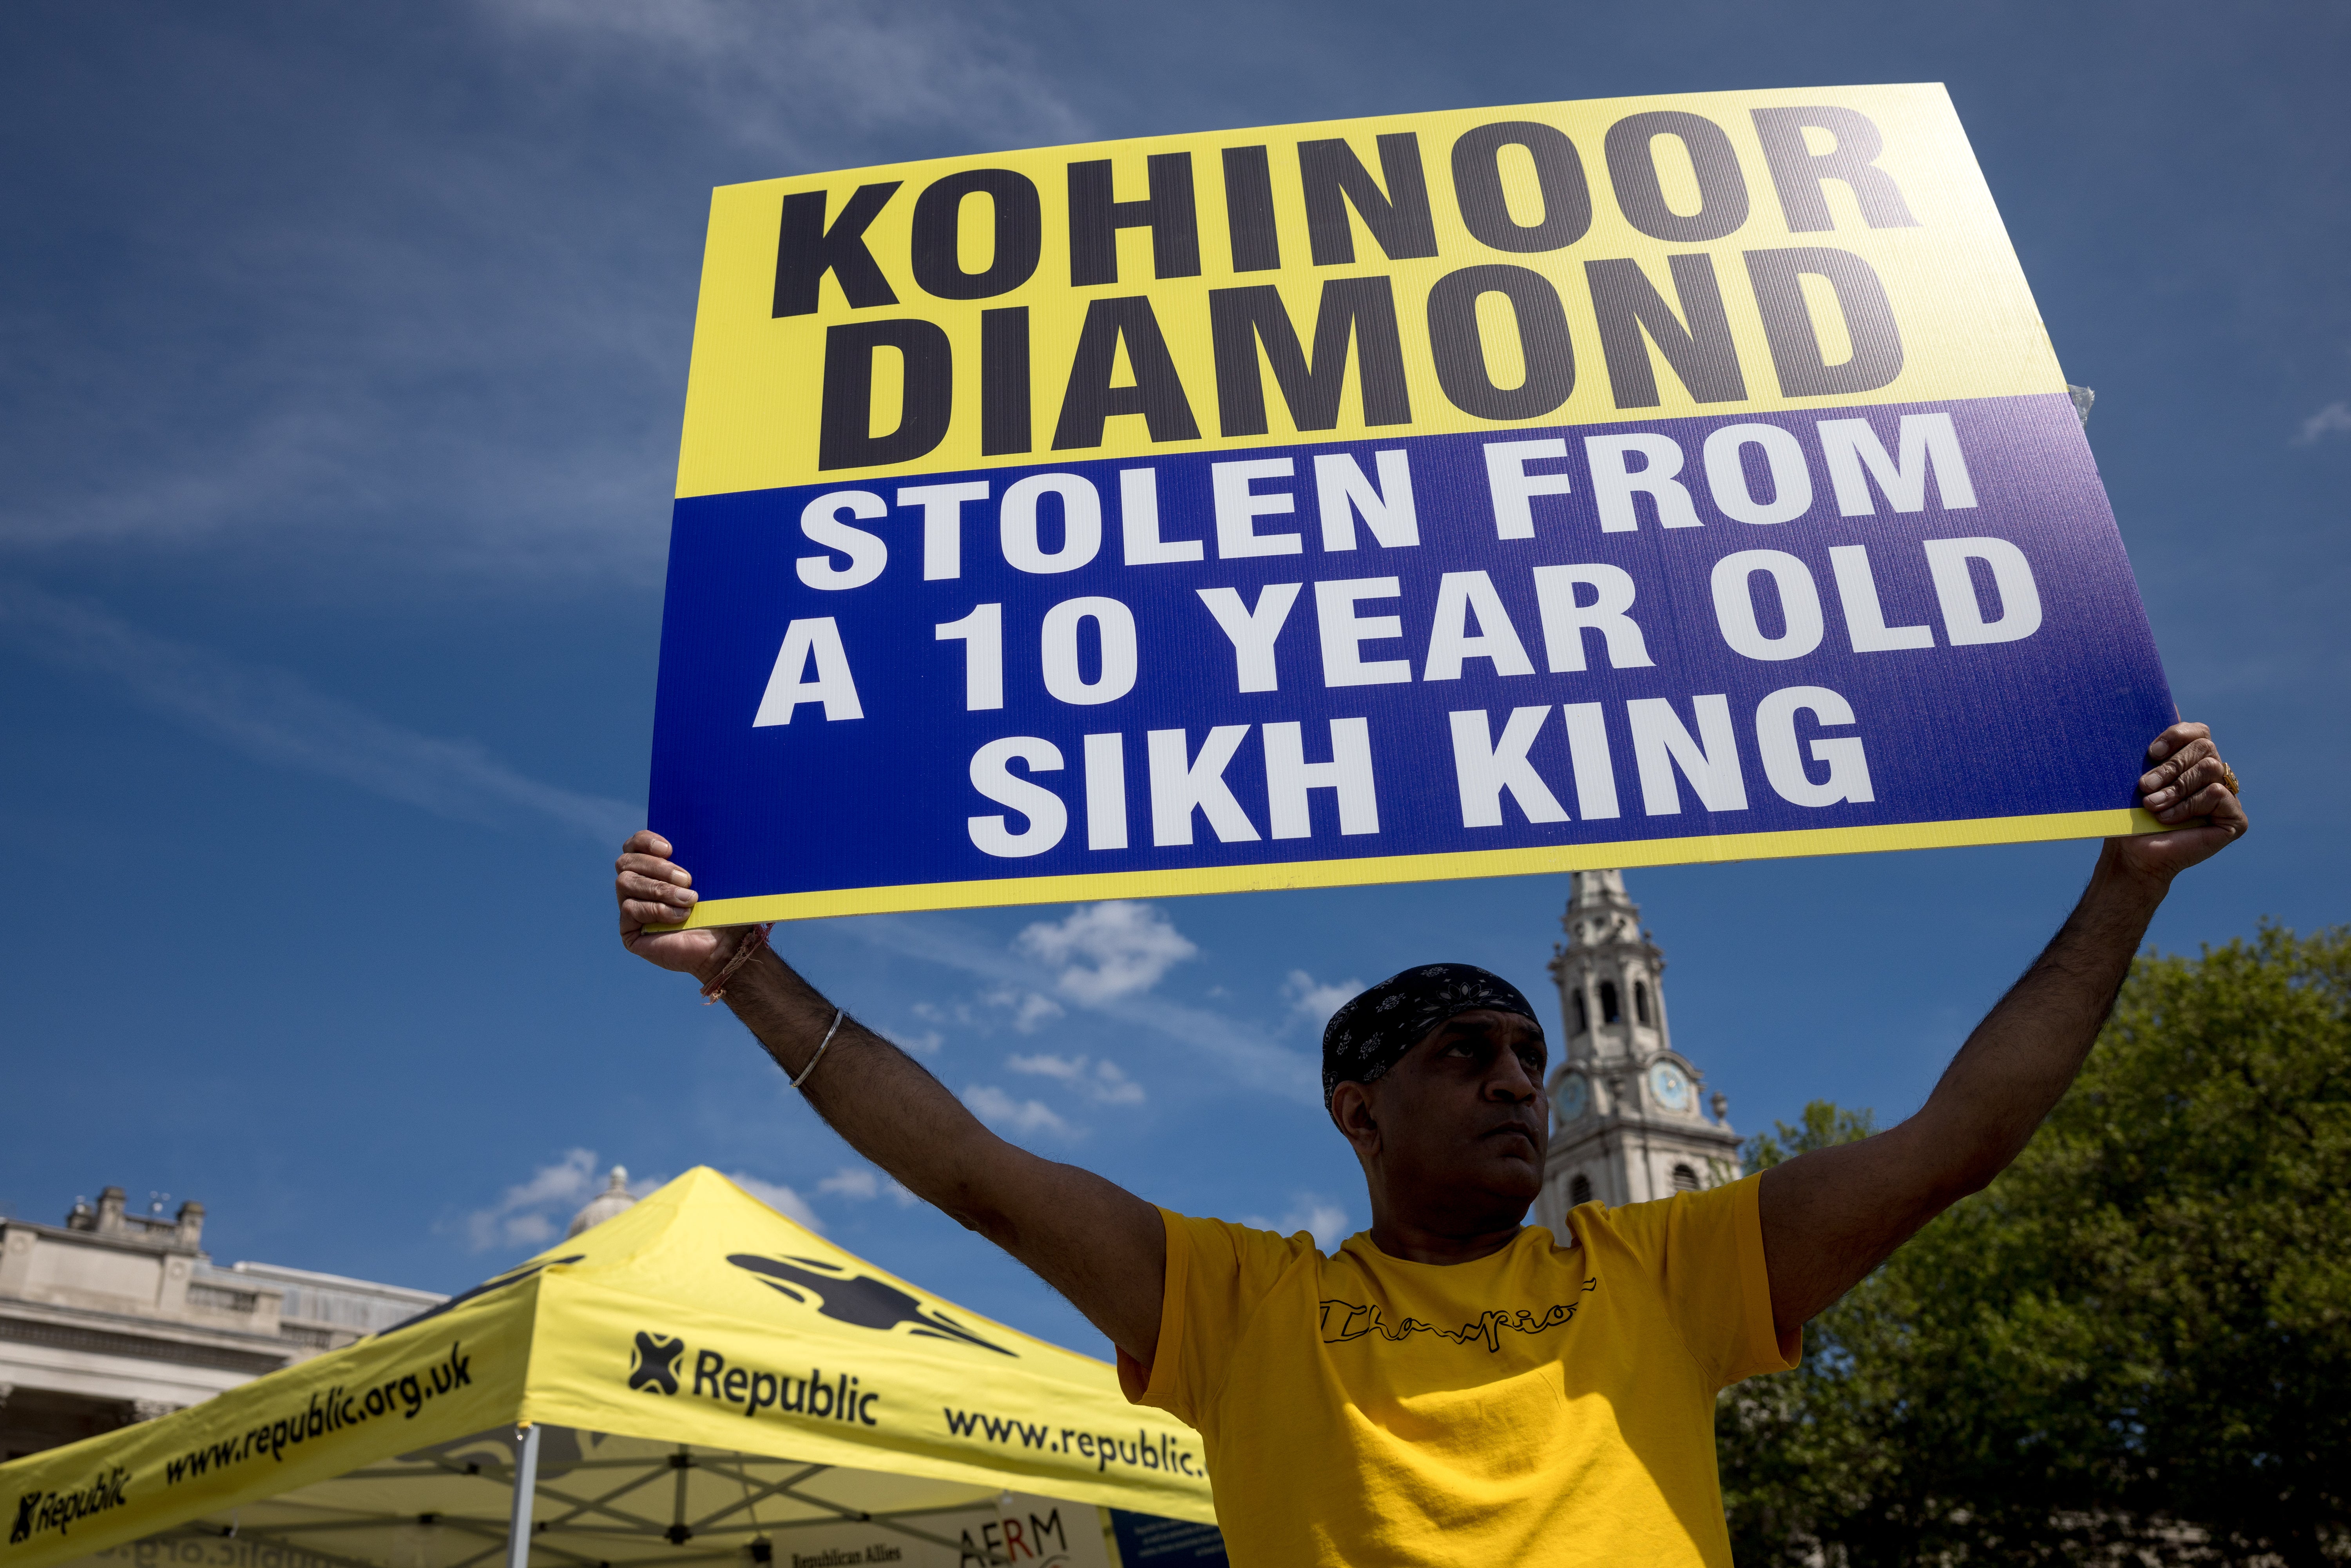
(1147, 1541)
(1946, 727)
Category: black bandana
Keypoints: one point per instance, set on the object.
(1370, 1034)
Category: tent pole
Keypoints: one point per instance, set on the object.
(526, 1486)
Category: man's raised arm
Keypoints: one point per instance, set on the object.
(1831, 1215)
(1095, 1242)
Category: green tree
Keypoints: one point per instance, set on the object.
(1825, 1122)
(2134, 1345)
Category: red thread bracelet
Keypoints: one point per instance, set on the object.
(744, 950)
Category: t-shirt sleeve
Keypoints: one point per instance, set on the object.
(1217, 1276)
(1705, 1249)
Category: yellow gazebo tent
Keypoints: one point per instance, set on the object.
(696, 1379)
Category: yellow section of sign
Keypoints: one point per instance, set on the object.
(1746, 199)
(1370, 869)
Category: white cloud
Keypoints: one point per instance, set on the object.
(791, 75)
(2334, 419)
(304, 427)
(1109, 1086)
(862, 1183)
(1105, 951)
(353, 390)
(276, 718)
(1315, 1000)
(1104, 1085)
(569, 1177)
(1068, 1069)
(526, 1214)
(1325, 1221)
(524, 1229)
(1006, 1114)
(781, 1198)
(1028, 1008)
(1242, 1047)
(851, 1181)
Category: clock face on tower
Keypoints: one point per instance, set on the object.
(1573, 1097)
(1671, 1086)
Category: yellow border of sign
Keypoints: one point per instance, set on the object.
(1461, 863)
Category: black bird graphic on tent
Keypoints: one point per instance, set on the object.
(857, 1299)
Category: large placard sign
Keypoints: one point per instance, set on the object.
(1610, 482)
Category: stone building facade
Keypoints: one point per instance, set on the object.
(115, 1316)
(1629, 1118)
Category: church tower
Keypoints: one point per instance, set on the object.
(1627, 1121)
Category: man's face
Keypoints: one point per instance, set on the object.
(1456, 1129)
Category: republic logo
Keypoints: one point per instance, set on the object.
(40, 1511)
(653, 1364)
(655, 1367)
(859, 1299)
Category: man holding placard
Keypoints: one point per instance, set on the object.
(1453, 1384)
(1624, 483)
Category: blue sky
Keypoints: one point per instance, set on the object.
(344, 354)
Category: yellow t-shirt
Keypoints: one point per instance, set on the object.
(1547, 1404)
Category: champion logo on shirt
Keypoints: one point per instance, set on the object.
(1344, 1321)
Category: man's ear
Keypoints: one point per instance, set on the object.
(1353, 1108)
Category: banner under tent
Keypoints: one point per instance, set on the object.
(695, 1380)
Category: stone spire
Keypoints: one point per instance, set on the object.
(1627, 1107)
(1610, 974)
